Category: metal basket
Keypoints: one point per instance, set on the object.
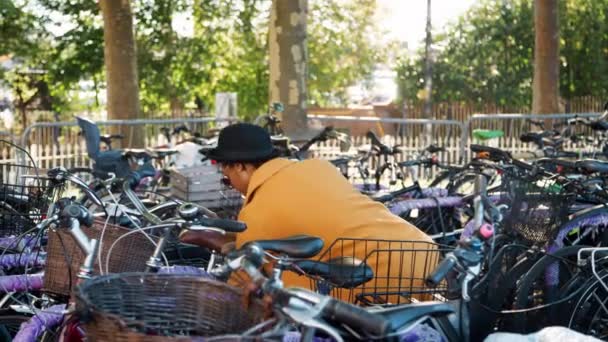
(537, 208)
(162, 307)
(399, 270)
(25, 196)
(64, 256)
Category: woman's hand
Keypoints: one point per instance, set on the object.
(208, 239)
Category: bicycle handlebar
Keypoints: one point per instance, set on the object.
(441, 271)
(224, 224)
(356, 317)
(376, 142)
(248, 259)
(60, 174)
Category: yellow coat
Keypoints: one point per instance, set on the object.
(286, 198)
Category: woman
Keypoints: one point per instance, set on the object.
(285, 198)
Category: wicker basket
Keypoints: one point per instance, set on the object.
(64, 256)
(162, 307)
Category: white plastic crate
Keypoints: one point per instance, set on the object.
(202, 185)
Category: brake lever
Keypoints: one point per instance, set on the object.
(90, 194)
(309, 313)
(205, 228)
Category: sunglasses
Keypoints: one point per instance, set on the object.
(225, 181)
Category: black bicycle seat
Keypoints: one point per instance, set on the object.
(599, 125)
(107, 138)
(402, 315)
(592, 165)
(494, 152)
(340, 161)
(161, 153)
(341, 272)
(568, 164)
(137, 153)
(297, 246)
(531, 137)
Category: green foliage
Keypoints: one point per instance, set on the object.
(20, 30)
(487, 56)
(343, 48)
(228, 51)
(584, 48)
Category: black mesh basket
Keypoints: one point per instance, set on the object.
(25, 195)
(537, 207)
(162, 307)
(398, 267)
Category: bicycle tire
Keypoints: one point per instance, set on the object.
(440, 178)
(527, 284)
(583, 306)
(461, 180)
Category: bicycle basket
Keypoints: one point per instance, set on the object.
(537, 208)
(25, 195)
(63, 253)
(162, 307)
(399, 270)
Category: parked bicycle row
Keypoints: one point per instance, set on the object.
(147, 250)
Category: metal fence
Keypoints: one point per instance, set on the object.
(59, 143)
(53, 144)
(513, 125)
(445, 133)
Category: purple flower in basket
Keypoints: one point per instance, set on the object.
(184, 269)
(421, 333)
(323, 287)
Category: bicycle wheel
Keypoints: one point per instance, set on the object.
(545, 283)
(9, 326)
(463, 184)
(590, 314)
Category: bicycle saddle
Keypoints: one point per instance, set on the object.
(341, 272)
(108, 138)
(565, 164)
(137, 153)
(161, 153)
(592, 165)
(297, 246)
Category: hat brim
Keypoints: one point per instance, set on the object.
(233, 156)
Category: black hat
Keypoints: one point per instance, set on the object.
(243, 142)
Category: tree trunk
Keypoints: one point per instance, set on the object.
(288, 59)
(121, 68)
(545, 96)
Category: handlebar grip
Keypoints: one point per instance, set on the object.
(445, 266)
(357, 317)
(227, 225)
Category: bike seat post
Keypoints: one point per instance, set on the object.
(88, 246)
(211, 263)
(277, 272)
(154, 263)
